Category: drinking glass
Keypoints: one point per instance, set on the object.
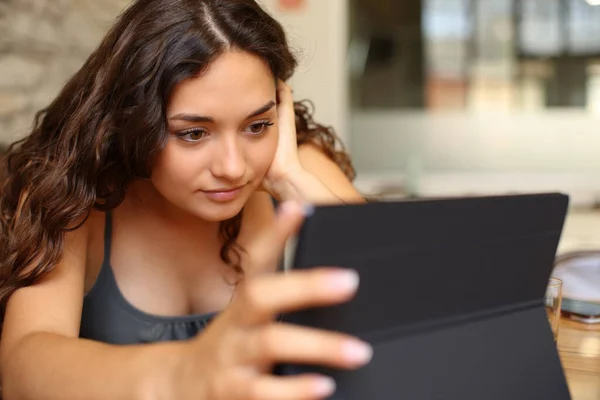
(553, 301)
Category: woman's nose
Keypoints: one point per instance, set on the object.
(229, 162)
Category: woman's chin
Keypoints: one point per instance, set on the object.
(220, 212)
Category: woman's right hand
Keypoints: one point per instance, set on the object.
(233, 358)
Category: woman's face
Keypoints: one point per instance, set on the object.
(222, 137)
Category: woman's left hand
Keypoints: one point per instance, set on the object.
(286, 161)
(288, 179)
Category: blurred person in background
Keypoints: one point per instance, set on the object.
(139, 236)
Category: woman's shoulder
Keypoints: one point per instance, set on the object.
(89, 226)
(88, 238)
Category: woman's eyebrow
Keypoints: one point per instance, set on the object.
(262, 110)
(203, 118)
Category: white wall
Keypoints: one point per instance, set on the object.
(481, 153)
(319, 32)
(557, 141)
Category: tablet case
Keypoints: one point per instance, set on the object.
(451, 296)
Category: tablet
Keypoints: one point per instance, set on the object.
(451, 296)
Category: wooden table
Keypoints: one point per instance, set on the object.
(579, 348)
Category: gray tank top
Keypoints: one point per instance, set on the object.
(108, 317)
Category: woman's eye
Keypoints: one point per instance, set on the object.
(192, 135)
(259, 127)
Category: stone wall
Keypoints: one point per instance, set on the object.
(42, 43)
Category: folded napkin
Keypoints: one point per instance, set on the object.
(580, 273)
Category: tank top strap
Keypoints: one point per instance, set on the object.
(105, 279)
(107, 237)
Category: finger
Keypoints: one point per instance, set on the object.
(265, 249)
(284, 93)
(290, 215)
(285, 343)
(283, 88)
(261, 298)
(300, 387)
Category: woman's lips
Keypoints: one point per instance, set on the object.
(223, 195)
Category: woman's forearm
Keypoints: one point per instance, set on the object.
(47, 366)
(306, 186)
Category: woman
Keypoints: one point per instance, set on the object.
(141, 204)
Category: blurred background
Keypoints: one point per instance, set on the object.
(431, 97)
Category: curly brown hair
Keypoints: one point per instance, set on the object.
(108, 122)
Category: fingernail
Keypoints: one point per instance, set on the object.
(324, 386)
(358, 352)
(346, 280)
(308, 210)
